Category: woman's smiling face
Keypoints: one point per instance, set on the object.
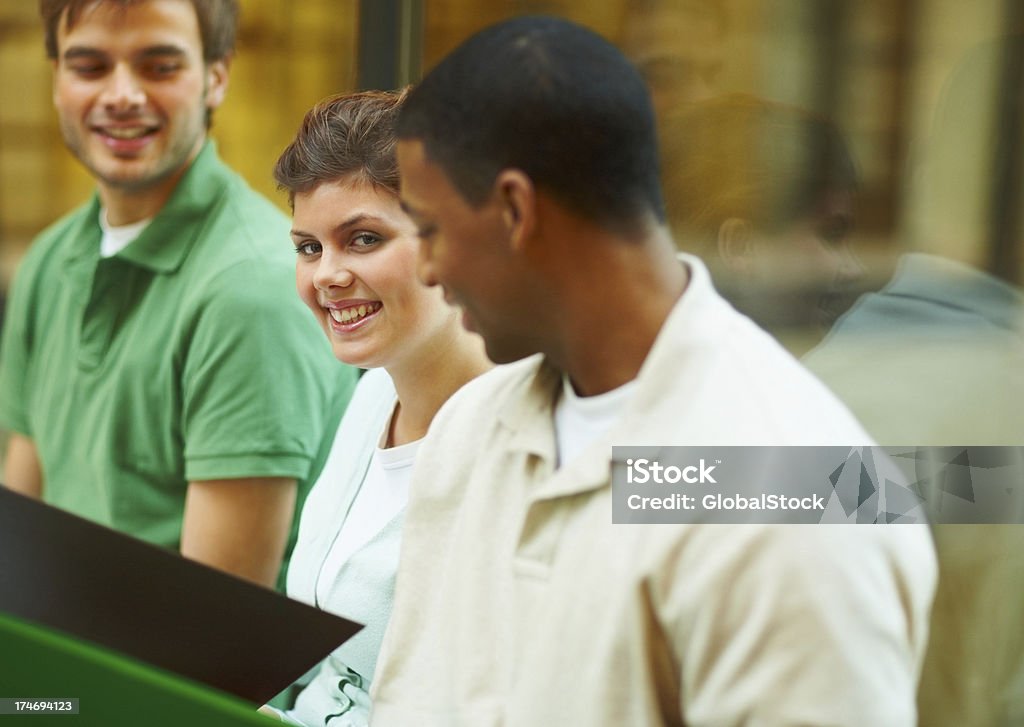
(356, 271)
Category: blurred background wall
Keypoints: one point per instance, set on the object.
(925, 98)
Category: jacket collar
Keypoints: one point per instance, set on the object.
(528, 411)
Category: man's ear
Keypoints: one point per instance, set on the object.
(217, 82)
(736, 245)
(517, 198)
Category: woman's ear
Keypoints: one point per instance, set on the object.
(736, 245)
(517, 198)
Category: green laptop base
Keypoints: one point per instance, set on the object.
(111, 689)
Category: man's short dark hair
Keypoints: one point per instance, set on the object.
(552, 99)
(218, 23)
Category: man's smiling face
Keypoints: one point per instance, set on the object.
(132, 91)
(465, 250)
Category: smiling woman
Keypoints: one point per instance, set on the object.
(356, 270)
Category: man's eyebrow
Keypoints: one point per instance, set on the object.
(80, 51)
(162, 50)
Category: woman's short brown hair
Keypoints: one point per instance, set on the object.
(342, 136)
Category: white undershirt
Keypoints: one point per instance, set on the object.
(383, 494)
(579, 421)
(118, 238)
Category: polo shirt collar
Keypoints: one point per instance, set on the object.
(165, 243)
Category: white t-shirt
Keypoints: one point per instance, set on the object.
(383, 495)
(118, 238)
(580, 420)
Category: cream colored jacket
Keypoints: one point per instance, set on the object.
(520, 604)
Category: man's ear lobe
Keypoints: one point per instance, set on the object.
(217, 74)
(516, 196)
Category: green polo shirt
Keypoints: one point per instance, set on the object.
(186, 356)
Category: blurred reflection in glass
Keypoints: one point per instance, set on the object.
(678, 45)
(936, 358)
(765, 194)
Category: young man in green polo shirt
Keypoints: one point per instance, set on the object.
(157, 371)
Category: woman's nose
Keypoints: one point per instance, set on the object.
(332, 272)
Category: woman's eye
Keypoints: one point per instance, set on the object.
(364, 240)
(308, 249)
